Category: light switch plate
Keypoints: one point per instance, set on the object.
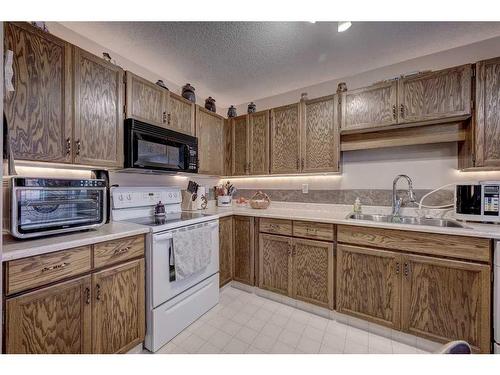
(305, 188)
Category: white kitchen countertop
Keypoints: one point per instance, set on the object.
(336, 214)
(16, 249)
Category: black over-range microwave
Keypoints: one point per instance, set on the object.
(155, 148)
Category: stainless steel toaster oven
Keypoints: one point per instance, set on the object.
(44, 206)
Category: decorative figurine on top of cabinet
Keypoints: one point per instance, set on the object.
(188, 92)
(231, 112)
(252, 108)
(161, 84)
(210, 104)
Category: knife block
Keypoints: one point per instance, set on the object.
(187, 201)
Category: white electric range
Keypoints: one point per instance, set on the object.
(171, 305)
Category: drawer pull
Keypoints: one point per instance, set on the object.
(87, 296)
(312, 230)
(55, 267)
(121, 251)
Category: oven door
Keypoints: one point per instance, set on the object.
(163, 287)
(41, 211)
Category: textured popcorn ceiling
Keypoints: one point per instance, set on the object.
(238, 62)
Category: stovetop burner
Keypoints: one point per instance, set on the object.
(154, 221)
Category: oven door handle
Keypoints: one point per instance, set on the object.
(162, 237)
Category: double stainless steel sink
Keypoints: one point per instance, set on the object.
(447, 223)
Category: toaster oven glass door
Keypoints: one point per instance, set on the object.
(468, 200)
(40, 210)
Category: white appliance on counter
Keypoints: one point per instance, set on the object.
(171, 305)
(496, 299)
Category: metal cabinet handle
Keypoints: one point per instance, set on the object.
(55, 267)
(312, 230)
(68, 146)
(402, 110)
(406, 269)
(394, 113)
(121, 251)
(168, 118)
(249, 166)
(164, 117)
(87, 294)
(98, 292)
(78, 147)
(302, 163)
(297, 164)
(398, 268)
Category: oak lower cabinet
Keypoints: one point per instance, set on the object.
(118, 308)
(39, 111)
(243, 245)
(226, 246)
(98, 310)
(52, 320)
(487, 121)
(98, 108)
(368, 284)
(275, 263)
(210, 134)
(445, 300)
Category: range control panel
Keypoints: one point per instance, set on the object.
(141, 197)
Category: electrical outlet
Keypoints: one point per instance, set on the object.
(305, 188)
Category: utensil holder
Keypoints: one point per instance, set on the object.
(187, 202)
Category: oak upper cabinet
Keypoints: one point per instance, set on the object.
(243, 258)
(98, 129)
(312, 270)
(118, 310)
(240, 149)
(225, 250)
(39, 111)
(436, 95)
(369, 107)
(320, 136)
(210, 134)
(285, 139)
(275, 263)
(180, 114)
(52, 320)
(447, 300)
(258, 149)
(487, 124)
(368, 284)
(146, 101)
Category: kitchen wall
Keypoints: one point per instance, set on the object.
(1, 171)
(369, 173)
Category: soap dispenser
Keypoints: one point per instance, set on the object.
(357, 206)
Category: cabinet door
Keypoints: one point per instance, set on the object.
(285, 139)
(445, 300)
(313, 272)
(436, 95)
(369, 107)
(38, 112)
(146, 101)
(368, 284)
(243, 261)
(275, 263)
(180, 114)
(98, 111)
(487, 128)
(240, 145)
(53, 320)
(118, 308)
(210, 133)
(320, 143)
(259, 143)
(225, 250)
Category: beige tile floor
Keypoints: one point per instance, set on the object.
(246, 323)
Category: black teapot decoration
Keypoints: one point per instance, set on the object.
(210, 104)
(231, 112)
(188, 93)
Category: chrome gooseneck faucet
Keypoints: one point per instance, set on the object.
(396, 201)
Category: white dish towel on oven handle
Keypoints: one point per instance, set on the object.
(192, 250)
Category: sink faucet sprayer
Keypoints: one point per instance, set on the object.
(396, 201)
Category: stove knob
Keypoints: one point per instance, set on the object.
(120, 197)
(170, 195)
(129, 197)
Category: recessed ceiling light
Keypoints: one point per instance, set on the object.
(343, 26)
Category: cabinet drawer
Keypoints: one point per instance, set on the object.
(276, 226)
(319, 231)
(111, 252)
(27, 273)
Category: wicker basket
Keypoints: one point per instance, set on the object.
(260, 200)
